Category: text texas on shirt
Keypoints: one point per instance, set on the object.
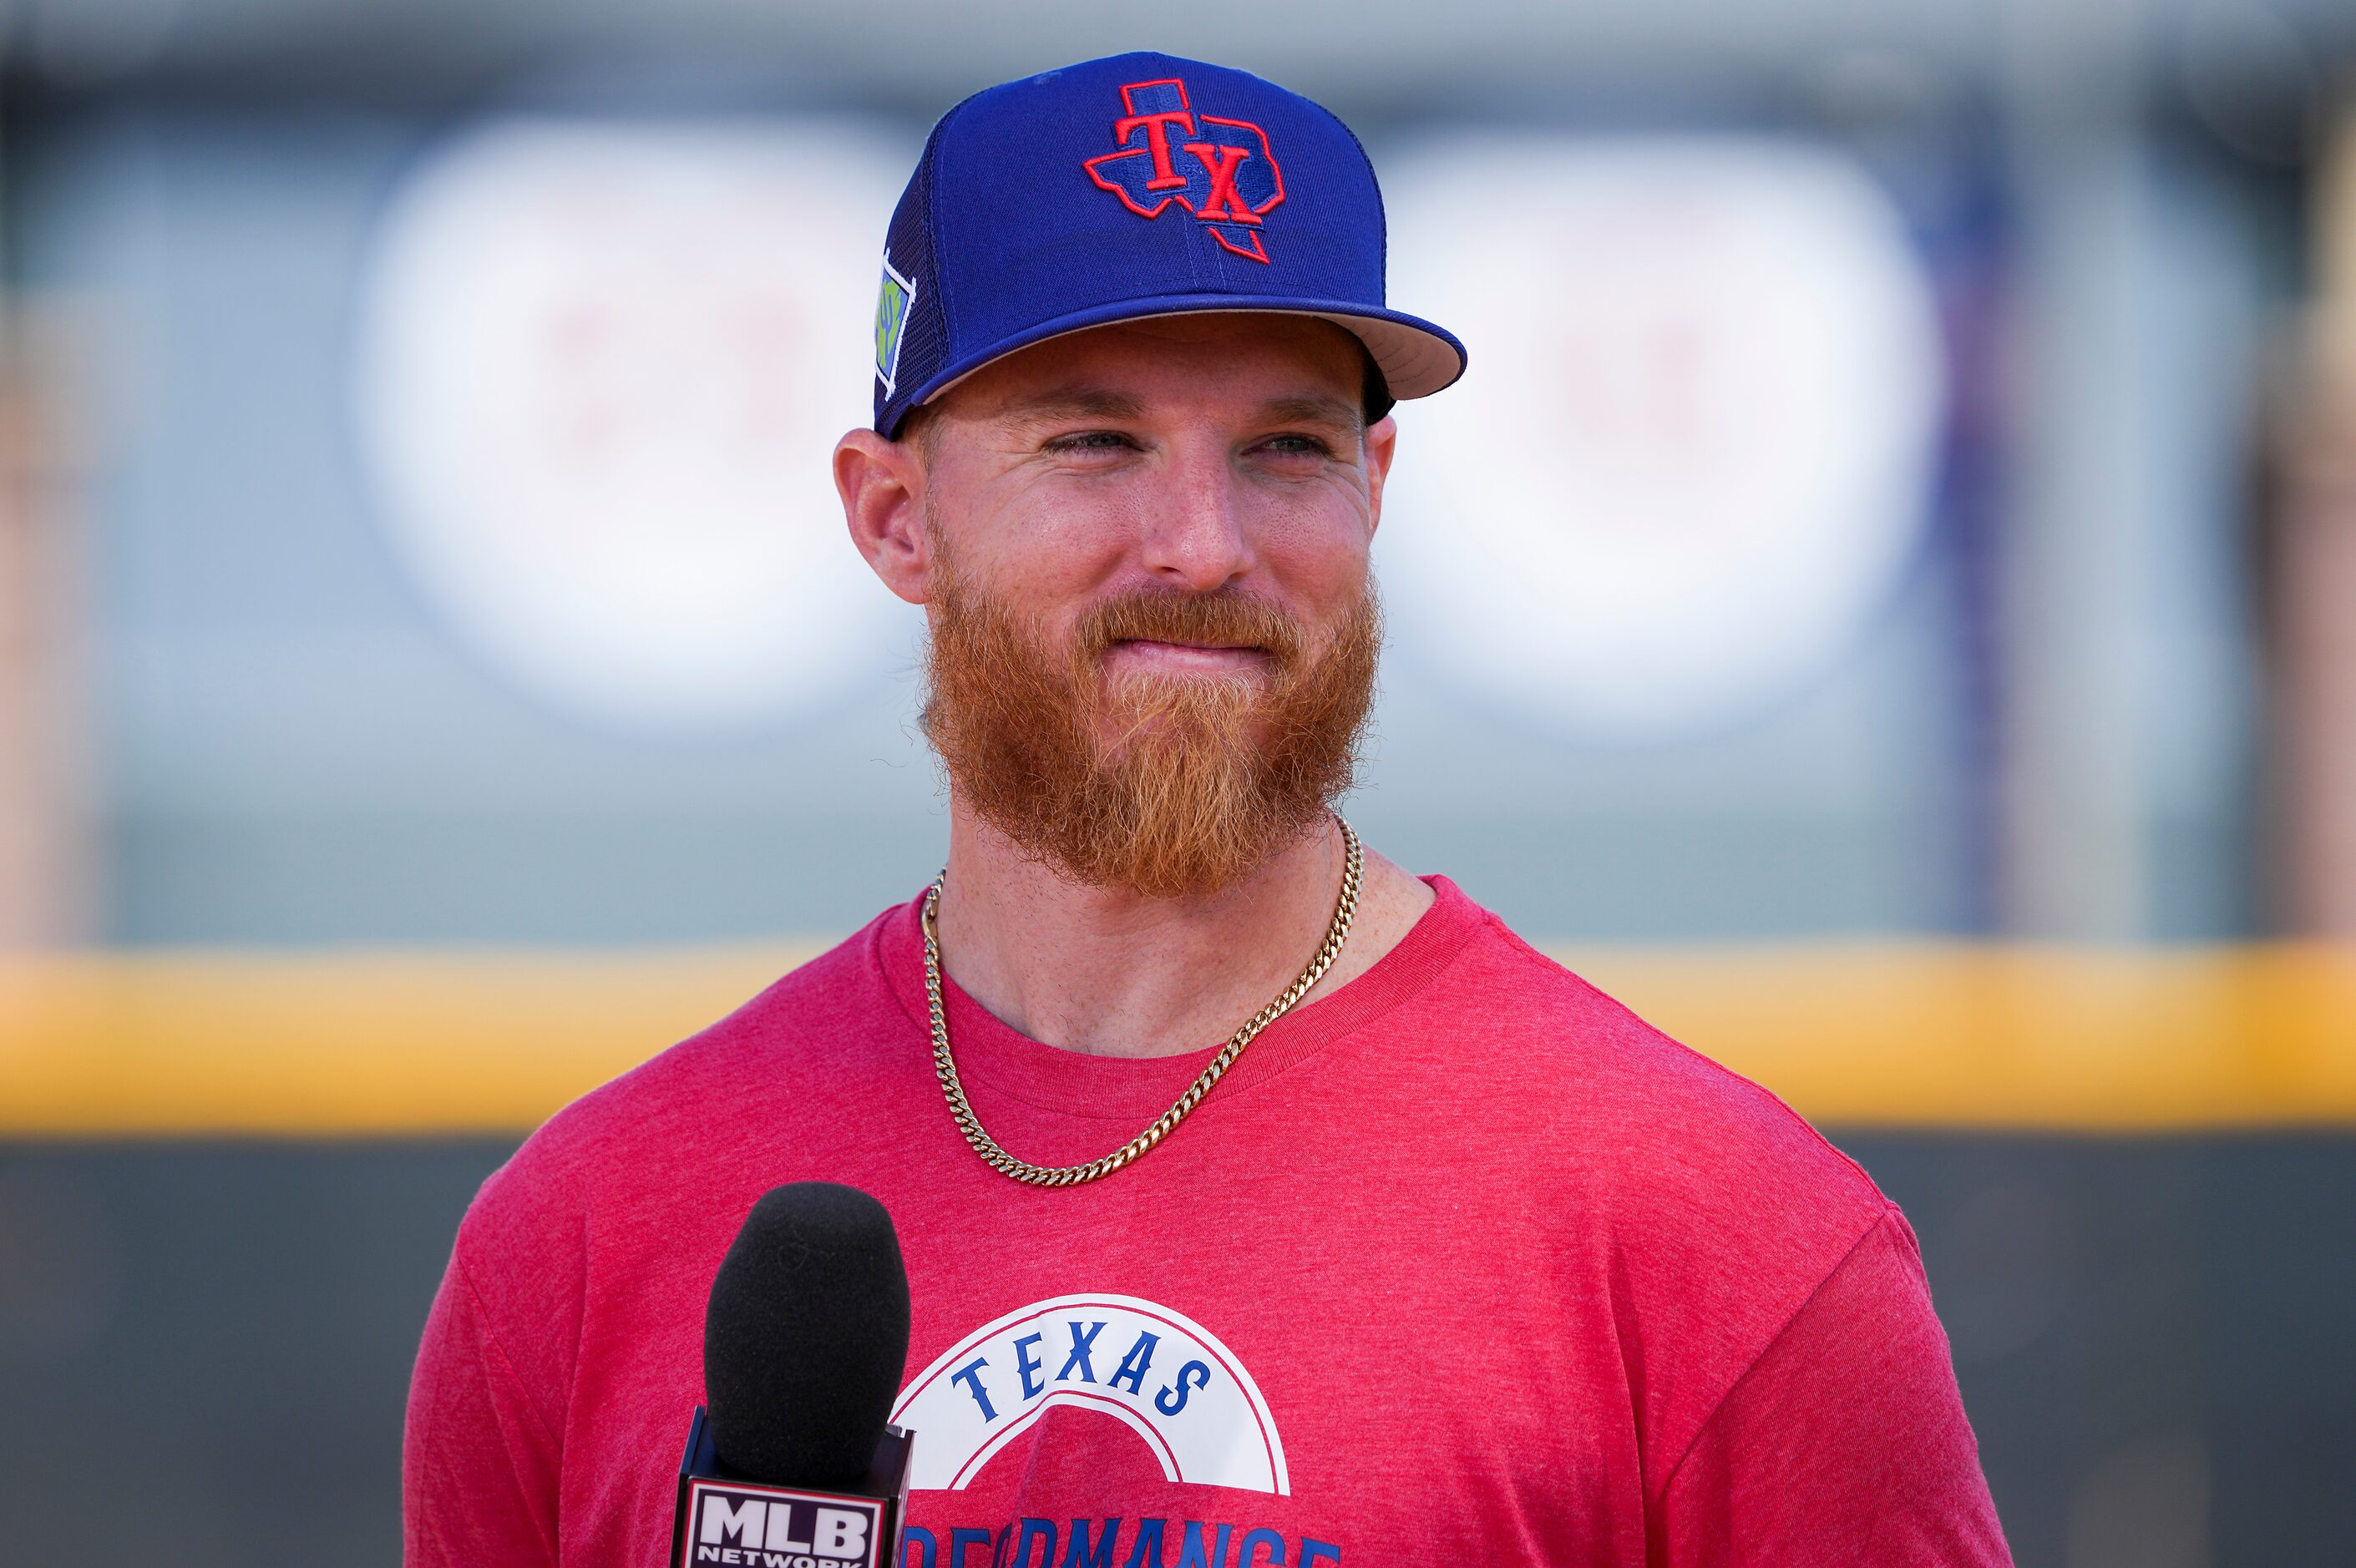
(1154, 1369)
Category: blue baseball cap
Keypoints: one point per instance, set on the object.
(1136, 185)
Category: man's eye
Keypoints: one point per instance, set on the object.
(1093, 441)
(1302, 444)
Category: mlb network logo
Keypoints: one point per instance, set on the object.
(763, 1527)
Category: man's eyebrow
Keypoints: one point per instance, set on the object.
(1077, 402)
(1099, 403)
(1314, 411)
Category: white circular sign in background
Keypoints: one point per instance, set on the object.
(600, 370)
(1697, 444)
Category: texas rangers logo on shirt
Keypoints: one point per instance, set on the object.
(1220, 170)
(1148, 1366)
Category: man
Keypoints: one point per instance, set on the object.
(1454, 1260)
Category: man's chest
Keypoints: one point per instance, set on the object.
(1218, 1390)
(1353, 1420)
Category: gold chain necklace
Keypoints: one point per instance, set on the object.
(1346, 908)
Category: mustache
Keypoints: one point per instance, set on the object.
(1217, 620)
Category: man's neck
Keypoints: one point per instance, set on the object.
(1113, 973)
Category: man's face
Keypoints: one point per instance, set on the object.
(1154, 634)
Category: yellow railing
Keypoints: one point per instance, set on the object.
(1935, 1036)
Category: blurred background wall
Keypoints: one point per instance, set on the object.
(1905, 494)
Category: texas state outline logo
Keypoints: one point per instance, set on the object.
(1220, 170)
(1152, 1368)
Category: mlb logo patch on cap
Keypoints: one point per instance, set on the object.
(892, 304)
(1140, 184)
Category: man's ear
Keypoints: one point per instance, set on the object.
(1382, 444)
(881, 483)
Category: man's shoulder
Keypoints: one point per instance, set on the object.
(1665, 1130)
(830, 1017)
(1722, 1212)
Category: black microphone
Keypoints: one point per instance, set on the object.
(805, 1341)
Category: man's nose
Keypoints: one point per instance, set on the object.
(1197, 538)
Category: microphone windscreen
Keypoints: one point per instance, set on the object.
(805, 1336)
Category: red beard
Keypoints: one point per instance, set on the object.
(1166, 785)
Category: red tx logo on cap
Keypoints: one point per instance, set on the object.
(1220, 170)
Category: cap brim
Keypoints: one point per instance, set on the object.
(1415, 357)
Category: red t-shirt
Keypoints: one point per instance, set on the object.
(1460, 1264)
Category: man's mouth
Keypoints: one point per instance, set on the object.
(1181, 658)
